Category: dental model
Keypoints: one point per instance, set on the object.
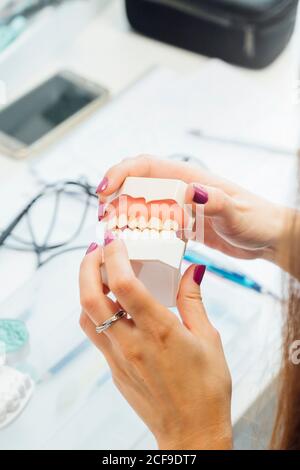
(16, 390)
(149, 215)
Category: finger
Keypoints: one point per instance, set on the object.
(93, 299)
(88, 327)
(130, 292)
(116, 175)
(207, 201)
(151, 167)
(216, 202)
(101, 341)
(189, 301)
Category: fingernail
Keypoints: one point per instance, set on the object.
(108, 238)
(200, 195)
(91, 248)
(102, 185)
(199, 273)
(101, 211)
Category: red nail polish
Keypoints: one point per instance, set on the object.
(199, 273)
(108, 238)
(200, 195)
(101, 211)
(91, 248)
(102, 185)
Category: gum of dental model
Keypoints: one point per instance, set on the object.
(151, 235)
(16, 390)
(146, 234)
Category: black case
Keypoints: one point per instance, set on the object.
(251, 33)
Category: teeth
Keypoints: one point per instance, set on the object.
(175, 225)
(126, 234)
(122, 221)
(112, 223)
(132, 222)
(145, 234)
(165, 235)
(142, 222)
(173, 235)
(168, 224)
(171, 225)
(168, 235)
(118, 233)
(154, 228)
(139, 229)
(136, 234)
(154, 234)
(155, 223)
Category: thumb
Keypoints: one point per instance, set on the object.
(211, 202)
(215, 201)
(189, 301)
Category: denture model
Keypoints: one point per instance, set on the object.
(16, 389)
(149, 215)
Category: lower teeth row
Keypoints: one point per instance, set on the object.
(147, 234)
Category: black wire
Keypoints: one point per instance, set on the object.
(61, 252)
(74, 236)
(19, 239)
(37, 246)
(33, 245)
(30, 228)
(5, 233)
(55, 211)
(9, 246)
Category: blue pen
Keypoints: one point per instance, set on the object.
(235, 277)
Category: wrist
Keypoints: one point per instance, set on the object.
(277, 227)
(287, 242)
(217, 440)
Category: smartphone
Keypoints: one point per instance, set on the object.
(41, 116)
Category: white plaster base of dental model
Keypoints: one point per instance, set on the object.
(16, 389)
(155, 261)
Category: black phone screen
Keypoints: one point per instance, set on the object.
(35, 114)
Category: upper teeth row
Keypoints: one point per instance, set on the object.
(141, 223)
(146, 234)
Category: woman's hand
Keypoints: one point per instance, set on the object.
(172, 373)
(237, 222)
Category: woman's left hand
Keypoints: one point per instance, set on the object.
(173, 373)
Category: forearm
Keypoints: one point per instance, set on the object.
(289, 246)
(286, 248)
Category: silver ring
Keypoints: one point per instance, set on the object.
(108, 323)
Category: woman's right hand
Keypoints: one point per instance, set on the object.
(237, 222)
